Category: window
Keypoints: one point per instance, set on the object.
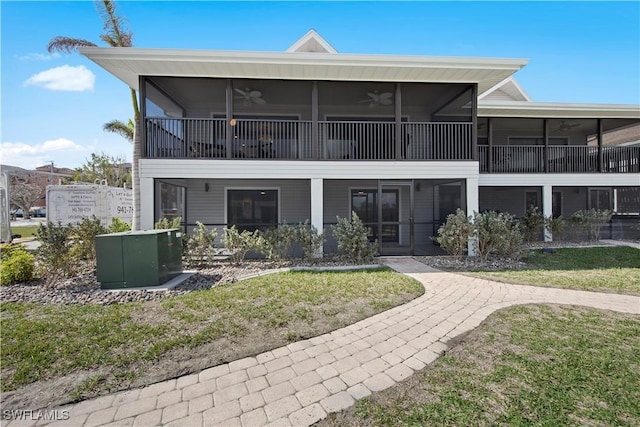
(170, 201)
(252, 209)
(531, 199)
(600, 198)
(556, 204)
(365, 204)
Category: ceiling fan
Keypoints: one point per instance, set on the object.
(564, 126)
(249, 96)
(376, 98)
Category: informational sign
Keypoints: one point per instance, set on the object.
(70, 204)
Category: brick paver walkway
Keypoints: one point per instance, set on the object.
(302, 382)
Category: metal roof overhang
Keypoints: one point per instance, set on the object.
(556, 110)
(128, 64)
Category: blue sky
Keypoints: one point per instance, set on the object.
(54, 106)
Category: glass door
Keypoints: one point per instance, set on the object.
(395, 214)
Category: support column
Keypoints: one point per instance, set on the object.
(547, 209)
(147, 196)
(317, 207)
(472, 206)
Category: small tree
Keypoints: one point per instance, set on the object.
(83, 237)
(533, 220)
(239, 244)
(309, 238)
(101, 167)
(555, 226)
(353, 241)
(53, 254)
(454, 234)
(24, 190)
(277, 242)
(199, 247)
(496, 233)
(168, 224)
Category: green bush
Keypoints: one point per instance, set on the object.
(83, 235)
(199, 247)
(353, 243)
(277, 242)
(53, 254)
(453, 235)
(166, 224)
(498, 234)
(556, 227)
(239, 244)
(532, 222)
(590, 222)
(118, 226)
(309, 238)
(17, 265)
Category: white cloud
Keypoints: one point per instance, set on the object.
(61, 151)
(65, 78)
(38, 57)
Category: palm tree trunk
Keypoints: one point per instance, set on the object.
(135, 174)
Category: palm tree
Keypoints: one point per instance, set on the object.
(115, 35)
(125, 130)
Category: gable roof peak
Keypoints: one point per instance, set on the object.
(311, 42)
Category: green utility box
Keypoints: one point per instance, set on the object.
(138, 258)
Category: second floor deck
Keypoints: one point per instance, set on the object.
(370, 140)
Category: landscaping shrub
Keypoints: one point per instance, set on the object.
(556, 226)
(453, 235)
(589, 223)
(532, 222)
(53, 254)
(496, 233)
(239, 244)
(118, 226)
(16, 265)
(199, 247)
(166, 224)
(277, 242)
(309, 238)
(353, 243)
(83, 235)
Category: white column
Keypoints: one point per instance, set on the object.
(472, 206)
(146, 203)
(547, 209)
(317, 208)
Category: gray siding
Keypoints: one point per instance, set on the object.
(209, 207)
(506, 199)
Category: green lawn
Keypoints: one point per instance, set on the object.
(25, 230)
(225, 323)
(526, 365)
(608, 269)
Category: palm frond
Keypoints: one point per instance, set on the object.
(121, 128)
(67, 44)
(116, 34)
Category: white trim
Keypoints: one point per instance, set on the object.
(311, 36)
(291, 169)
(547, 210)
(540, 110)
(508, 85)
(253, 188)
(559, 179)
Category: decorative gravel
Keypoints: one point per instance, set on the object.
(472, 264)
(85, 289)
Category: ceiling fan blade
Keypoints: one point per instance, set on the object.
(385, 101)
(259, 101)
(255, 94)
(386, 95)
(240, 91)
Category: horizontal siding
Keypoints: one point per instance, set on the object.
(559, 179)
(506, 199)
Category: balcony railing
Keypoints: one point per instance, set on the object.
(559, 159)
(281, 139)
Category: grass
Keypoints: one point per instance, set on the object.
(525, 365)
(117, 344)
(25, 230)
(609, 269)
